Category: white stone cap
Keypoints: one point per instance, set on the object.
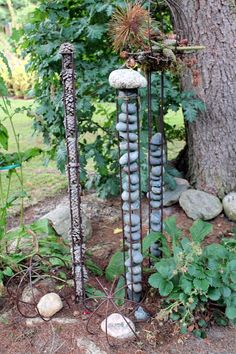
(126, 79)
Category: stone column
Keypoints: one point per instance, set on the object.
(127, 82)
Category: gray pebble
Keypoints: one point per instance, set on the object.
(136, 269)
(155, 197)
(156, 217)
(137, 257)
(131, 136)
(132, 228)
(131, 206)
(156, 183)
(133, 167)
(128, 262)
(157, 190)
(141, 315)
(123, 127)
(155, 161)
(137, 288)
(156, 171)
(155, 178)
(133, 178)
(132, 146)
(135, 278)
(135, 236)
(155, 204)
(156, 227)
(155, 152)
(131, 118)
(130, 196)
(155, 251)
(135, 246)
(130, 187)
(132, 109)
(156, 139)
(132, 157)
(135, 219)
(136, 297)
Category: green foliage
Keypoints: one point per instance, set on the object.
(191, 276)
(85, 24)
(115, 267)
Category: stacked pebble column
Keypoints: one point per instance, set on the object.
(127, 82)
(156, 188)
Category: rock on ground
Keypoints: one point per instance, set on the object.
(229, 204)
(89, 346)
(172, 197)
(60, 219)
(49, 305)
(200, 205)
(117, 326)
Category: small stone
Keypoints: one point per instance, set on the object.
(132, 146)
(155, 161)
(229, 204)
(200, 205)
(128, 262)
(135, 246)
(49, 305)
(131, 136)
(155, 178)
(135, 236)
(131, 118)
(155, 197)
(135, 278)
(133, 221)
(137, 288)
(123, 127)
(117, 326)
(156, 217)
(88, 347)
(137, 257)
(156, 190)
(130, 196)
(132, 108)
(155, 152)
(155, 204)
(156, 183)
(130, 187)
(132, 228)
(30, 294)
(132, 157)
(133, 178)
(155, 251)
(157, 171)
(136, 297)
(156, 139)
(131, 206)
(136, 269)
(141, 315)
(126, 79)
(156, 227)
(133, 167)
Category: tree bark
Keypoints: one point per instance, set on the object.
(211, 139)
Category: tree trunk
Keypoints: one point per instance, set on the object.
(211, 140)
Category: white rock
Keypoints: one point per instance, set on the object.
(117, 326)
(126, 79)
(229, 204)
(30, 294)
(200, 205)
(49, 305)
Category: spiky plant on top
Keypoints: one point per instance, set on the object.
(129, 27)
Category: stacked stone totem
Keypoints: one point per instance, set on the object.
(127, 82)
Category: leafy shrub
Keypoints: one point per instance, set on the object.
(191, 276)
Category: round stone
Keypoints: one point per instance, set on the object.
(136, 297)
(155, 178)
(129, 228)
(132, 108)
(157, 190)
(137, 288)
(126, 79)
(135, 278)
(130, 196)
(137, 257)
(141, 315)
(136, 269)
(156, 227)
(155, 204)
(229, 204)
(131, 136)
(130, 118)
(130, 187)
(155, 161)
(130, 206)
(133, 220)
(134, 246)
(49, 305)
(155, 197)
(156, 139)
(155, 251)
(123, 127)
(133, 178)
(128, 158)
(135, 236)
(133, 167)
(157, 171)
(155, 152)
(156, 217)
(156, 183)
(128, 262)
(117, 326)
(131, 146)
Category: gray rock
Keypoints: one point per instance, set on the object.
(130, 187)
(155, 178)
(132, 157)
(131, 118)
(137, 288)
(229, 204)
(156, 184)
(156, 217)
(155, 152)
(132, 206)
(137, 257)
(155, 197)
(133, 221)
(156, 227)
(157, 190)
(155, 251)
(49, 305)
(126, 79)
(117, 326)
(156, 171)
(141, 315)
(132, 196)
(131, 136)
(133, 167)
(60, 220)
(136, 297)
(123, 127)
(155, 204)
(156, 139)
(132, 108)
(88, 346)
(29, 294)
(132, 146)
(128, 263)
(135, 278)
(135, 246)
(136, 269)
(134, 178)
(132, 228)
(172, 197)
(154, 161)
(135, 236)
(200, 205)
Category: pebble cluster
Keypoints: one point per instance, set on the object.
(127, 127)
(155, 195)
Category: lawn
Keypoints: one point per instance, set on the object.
(42, 180)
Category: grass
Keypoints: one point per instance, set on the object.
(42, 181)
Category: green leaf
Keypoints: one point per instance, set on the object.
(214, 294)
(201, 284)
(199, 230)
(93, 267)
(4, 136)
(115, 267)
(226, 291)
(93, 293)
(154, 280)
(150, 239)
(165, 287)
(8, 272)
(61, 156)
(172, 230)
(166, 267)
(216, 251)
(230, 312)
(186, 285)
(120, 292)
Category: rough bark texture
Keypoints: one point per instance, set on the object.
(211, 139)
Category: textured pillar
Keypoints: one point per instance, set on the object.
(127, 82)
(77, 239)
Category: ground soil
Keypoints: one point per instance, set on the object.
(18, 337)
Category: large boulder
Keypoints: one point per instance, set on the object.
(60, 220)
(229, 204)
(200, 205)
(171, 197)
